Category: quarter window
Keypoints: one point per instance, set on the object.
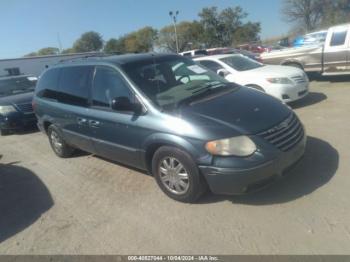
(108, 85)
(338, 38)
(48, 83)
(211, 65)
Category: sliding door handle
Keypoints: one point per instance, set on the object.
(82, 121)
(94, 123)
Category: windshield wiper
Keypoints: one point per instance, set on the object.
(199, 93)
(205, 85)
(208, 86)
(21, 90)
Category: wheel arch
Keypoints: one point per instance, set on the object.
(154, 142)
(291, 62)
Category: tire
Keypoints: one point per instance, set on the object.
(191, 187)
(58, 145)
(256, 87)
(4, 132)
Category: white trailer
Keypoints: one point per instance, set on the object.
(36, 64)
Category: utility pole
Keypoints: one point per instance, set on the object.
(59, 42)
(173, 16)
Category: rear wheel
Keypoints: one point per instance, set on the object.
(58, 145)
(177, 174)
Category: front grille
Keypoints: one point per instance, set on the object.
(286, 134)
(25, 108)
(299, 79)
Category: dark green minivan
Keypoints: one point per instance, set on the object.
(172, 117)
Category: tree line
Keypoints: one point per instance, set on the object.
(310, 15)
(214, 28)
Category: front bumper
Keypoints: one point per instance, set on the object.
(17, 121)
(233, 181)
(290, 93)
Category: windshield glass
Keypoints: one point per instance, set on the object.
(241, 63)
(16, 85)
(171, 80)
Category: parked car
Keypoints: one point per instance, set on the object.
(330, 58)
(285, 83)
(165, 114)
(229, 50)
(16, 94)
(255, 48)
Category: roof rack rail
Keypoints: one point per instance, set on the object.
(101, 54)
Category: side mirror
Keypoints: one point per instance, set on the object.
(123, 103)
(222, 72)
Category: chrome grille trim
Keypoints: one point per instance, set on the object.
(286, 134)
(25, 108)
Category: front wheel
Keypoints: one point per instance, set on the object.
(177, 174)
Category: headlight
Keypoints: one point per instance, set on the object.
(7, 109)
(280, 80)
(235, 146)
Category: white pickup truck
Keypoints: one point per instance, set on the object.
(330, 58)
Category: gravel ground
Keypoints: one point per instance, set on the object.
(87, 205)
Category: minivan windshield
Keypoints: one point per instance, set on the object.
(170, 80)
(17, 85)
(241, 63)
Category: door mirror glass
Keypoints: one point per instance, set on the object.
(123, 103)
(222, 72)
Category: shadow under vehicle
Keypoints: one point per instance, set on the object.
(23, 199)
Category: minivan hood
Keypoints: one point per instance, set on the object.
(245, 111)
(22, 98)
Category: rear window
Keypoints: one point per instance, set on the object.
(338, 38)
(16, 85)
(201, 52)
(48, 81)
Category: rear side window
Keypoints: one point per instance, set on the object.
(48, 83)
(338, 38)
(108, 85)
(74, 85)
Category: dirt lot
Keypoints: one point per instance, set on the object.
(86, 205)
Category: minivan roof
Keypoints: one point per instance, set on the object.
(118, 59)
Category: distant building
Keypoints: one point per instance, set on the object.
(36, 64)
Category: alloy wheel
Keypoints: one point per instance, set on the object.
(174, 176)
